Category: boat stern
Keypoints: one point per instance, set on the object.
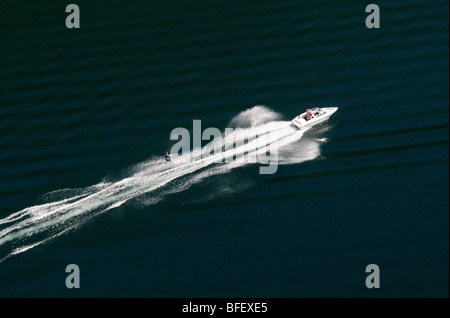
(298, 122)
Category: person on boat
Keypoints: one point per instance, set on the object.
(167, 156)
(309, 114)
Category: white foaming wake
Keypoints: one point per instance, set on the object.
(254, 117)
(33, 226)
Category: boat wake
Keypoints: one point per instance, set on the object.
(69, 209)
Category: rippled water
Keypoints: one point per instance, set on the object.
(86, 117)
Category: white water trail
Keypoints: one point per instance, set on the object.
(33, 226)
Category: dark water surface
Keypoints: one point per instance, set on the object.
(87, 113)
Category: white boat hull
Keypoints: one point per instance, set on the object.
(323, 114)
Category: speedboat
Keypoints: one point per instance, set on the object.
(313, 116)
